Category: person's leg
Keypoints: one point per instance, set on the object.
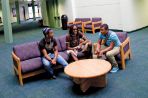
(47, 66)
(73, 54)
(110, 55)
(102, 47)
(85, 47)
(62, 61)
(75, 58)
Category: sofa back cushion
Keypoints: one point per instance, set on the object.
(62, 40)
(58, 44)
(27, 50)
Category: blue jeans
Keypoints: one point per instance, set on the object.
(47, 64)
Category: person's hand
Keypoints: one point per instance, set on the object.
(100, 53)
(97, 52)
(53, 61)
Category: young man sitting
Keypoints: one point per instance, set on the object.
(108, 44)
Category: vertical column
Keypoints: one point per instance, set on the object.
(7, 21)
(33, 9)
(44, 12)
(17, 11)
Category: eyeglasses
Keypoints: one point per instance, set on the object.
(75, 29)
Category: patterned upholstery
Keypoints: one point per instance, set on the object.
(27, 51)
(122, 36)
(62, 40)
(31, 64)
(59, 45)
(96, 19)
(64, 55)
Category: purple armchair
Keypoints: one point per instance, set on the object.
(80, 23)
(93, 25)
(125, 49)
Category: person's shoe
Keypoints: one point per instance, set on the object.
(114, 69)
(53, 77)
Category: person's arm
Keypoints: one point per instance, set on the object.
(111, 46)
(84, 38)
(68, 44)
(98, 46)
(55, 52)
(46, 55)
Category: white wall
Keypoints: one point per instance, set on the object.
(67, 7)
(108, 10)
(134, 14)
(127, 15)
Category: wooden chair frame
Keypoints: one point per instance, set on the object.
(93, 26)
(18, 70)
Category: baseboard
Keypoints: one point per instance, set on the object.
(116, 30)
(137, 29)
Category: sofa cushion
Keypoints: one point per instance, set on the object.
(64, 55)
(58, 44)
(31, 64)
(62, 40)
(27, 50)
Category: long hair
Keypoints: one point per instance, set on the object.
(71, 30)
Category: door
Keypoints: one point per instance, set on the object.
(53, 14)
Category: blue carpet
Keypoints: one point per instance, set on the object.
(129, 83)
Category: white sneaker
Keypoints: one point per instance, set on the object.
(114, 69)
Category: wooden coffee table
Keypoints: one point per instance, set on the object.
(88, 73)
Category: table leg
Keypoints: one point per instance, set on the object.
(91, 82)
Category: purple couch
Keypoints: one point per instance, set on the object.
(27, 58)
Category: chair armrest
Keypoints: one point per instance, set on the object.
(99, 22)
(123, 53)
(16, 61)
(71, 22)
(78, 22)
(123, 44)
(87, 23)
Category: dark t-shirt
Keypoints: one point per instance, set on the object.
(74, 40)
(49, 46)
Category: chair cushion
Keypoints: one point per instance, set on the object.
(31, 64)
(62, 40)
(96, 19)
(85, 19)
(122, 36)
(27, 51)
(88, 27)
(58, 44)
(64, 55)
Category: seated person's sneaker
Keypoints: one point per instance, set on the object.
(53, 77)
(114, 69)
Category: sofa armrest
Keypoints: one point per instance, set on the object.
(16, 62)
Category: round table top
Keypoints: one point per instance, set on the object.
(87, 68)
